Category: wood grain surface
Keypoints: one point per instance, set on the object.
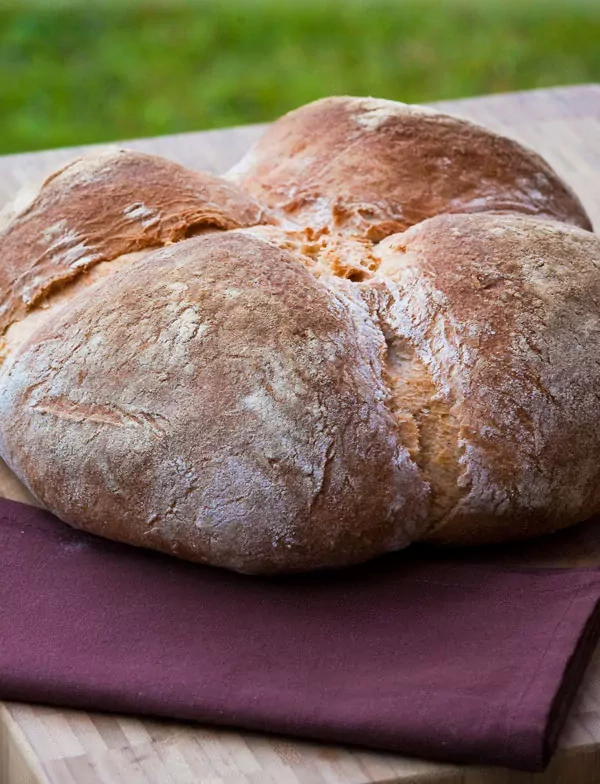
(40, 745)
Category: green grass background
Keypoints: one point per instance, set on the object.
(75, 73)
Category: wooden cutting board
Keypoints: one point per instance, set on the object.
(50, 746)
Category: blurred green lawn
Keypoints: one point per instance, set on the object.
(99, 72)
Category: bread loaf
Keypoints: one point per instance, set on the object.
(382, 327)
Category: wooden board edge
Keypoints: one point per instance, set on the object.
(18, 761)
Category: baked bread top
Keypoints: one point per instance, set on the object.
(405, 348)
(374, 167)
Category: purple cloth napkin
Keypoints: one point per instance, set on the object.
(426, 657)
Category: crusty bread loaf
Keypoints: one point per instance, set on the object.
(363, 165)
(288, 390)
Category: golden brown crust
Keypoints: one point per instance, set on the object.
(375, 167)
(504, 313)
(299, 393)
(101, 207)
(243, 420)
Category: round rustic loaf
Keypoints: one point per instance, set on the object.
(382, 327)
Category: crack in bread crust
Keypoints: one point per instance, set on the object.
(64, 408)
(323, 252)
(427, 424)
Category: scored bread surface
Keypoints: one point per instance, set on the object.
(382, 326)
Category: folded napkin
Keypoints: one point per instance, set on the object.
(424, 656)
